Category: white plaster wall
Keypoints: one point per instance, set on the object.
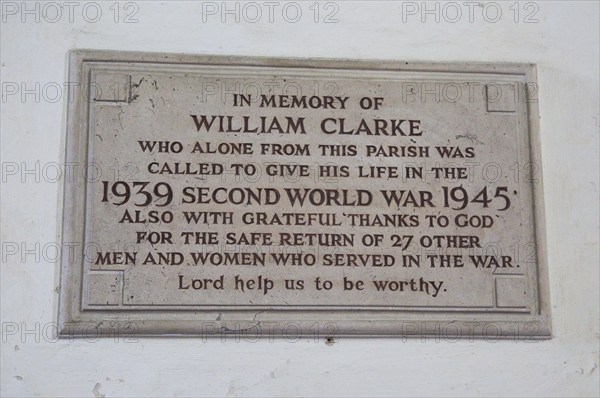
(564, 43)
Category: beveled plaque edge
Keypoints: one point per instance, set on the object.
(73, 322)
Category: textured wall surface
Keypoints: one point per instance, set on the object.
(560, 37)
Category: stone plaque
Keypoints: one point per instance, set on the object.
(302, 198)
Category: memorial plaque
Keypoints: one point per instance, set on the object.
(302, 198)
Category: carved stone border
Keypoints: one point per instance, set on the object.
(289, 324)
